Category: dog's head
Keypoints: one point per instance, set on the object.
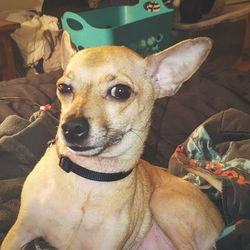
(107, 94)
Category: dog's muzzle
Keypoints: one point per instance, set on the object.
(76, 133)
(75, 130)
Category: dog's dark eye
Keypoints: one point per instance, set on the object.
(120, 92)
(64, 88)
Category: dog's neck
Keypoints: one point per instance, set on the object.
(99, 164)
(69, 166)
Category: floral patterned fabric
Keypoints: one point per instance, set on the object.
(220, 148)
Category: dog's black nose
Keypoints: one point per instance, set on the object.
(74, 130)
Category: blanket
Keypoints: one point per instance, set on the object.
(24, 96)
(219, 148)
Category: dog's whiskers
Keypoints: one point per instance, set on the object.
(137, 134)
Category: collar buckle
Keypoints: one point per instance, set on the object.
(65, 164)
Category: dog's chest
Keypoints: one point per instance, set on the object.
(86, 230)
(73, 218)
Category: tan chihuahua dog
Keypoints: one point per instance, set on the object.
(91, 190)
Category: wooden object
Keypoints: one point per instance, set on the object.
(7, 63)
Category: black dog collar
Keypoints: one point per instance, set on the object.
(68, 166)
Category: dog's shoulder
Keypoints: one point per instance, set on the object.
(171, 194)
(180, 209)
(159, 177)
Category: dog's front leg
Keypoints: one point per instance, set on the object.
(17, 237)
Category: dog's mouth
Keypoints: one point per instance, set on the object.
(95, 150)
(81, 149)
(86, 150)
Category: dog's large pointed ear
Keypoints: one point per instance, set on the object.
(67, 49)
(173, 66)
